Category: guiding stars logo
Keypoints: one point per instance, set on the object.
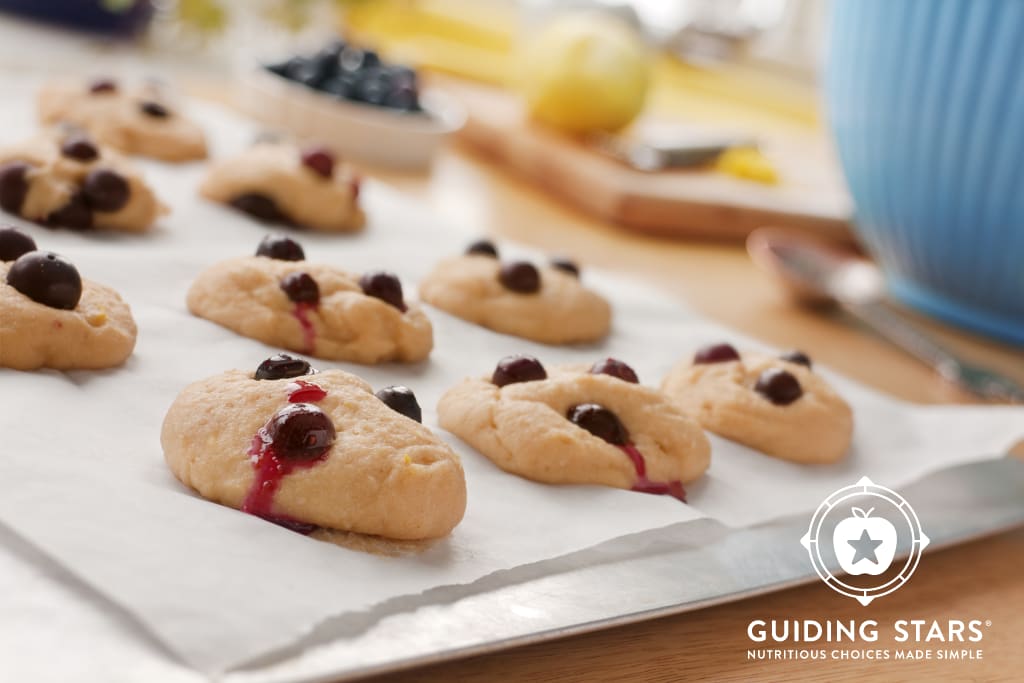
(859, 529)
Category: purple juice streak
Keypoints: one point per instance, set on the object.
(301, 391)
(301, 313)
(645, 485)
(271, 468)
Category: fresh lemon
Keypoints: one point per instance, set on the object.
(585, 72)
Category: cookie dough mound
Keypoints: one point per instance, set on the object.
(270, 182)
(98, 332)
(43, 181)
(383, 473)
(560, 311)
(137, 121)
(807, 422)
(525, 428)
(245, 295)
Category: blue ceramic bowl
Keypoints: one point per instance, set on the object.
(926, 102)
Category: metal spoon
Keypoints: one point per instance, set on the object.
(817, 274)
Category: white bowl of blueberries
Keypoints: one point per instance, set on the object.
(347, 98)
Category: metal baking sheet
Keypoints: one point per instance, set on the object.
(675, 570)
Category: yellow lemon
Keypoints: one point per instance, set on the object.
(585, 72)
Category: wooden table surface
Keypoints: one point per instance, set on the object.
(981, 580)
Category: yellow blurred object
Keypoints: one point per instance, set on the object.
(475, 39)
(465, 38)
(747, 163)
(585, 72)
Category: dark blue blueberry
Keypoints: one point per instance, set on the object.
(282, 366)
(600, 422)
(300, 431)
(14, 243)
(401, 400)
(778, 386)
(46, 278)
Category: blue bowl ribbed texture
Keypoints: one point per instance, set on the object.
(925, 99)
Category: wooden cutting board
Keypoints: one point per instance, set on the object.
(694, 203)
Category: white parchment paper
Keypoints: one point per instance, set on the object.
(83, 479)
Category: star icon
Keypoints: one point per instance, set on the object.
(865, 547)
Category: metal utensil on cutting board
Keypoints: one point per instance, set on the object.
(815, 273)
(658, 153)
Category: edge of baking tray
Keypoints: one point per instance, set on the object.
(955, 505)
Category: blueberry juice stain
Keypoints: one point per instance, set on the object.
(645, 485)
(270, 469)
(301, 312)
(301, 391)
(297, 437)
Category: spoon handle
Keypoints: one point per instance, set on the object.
(903, 333)
(915, 340)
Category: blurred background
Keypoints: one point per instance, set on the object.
(891, 130)
(733, 53)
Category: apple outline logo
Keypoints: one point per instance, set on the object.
(849, 537)
(864, 487)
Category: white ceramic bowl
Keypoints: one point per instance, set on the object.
(354, 130)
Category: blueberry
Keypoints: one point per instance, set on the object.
(566, 266)
(343, 85)
(600, 422)
(14, 243)
(80, 148)
(301, 288)
(401, 400)
(282, 366)
(778, 386)
(279, 68)
(300, 431)
(75, 215)
(615, 368)
(103, 86)
(259, 206)
(13, 185)
(520, 276)
(716, 353)
(106, 191)
(320, 160)
(370, 59)
(798, 357)
(483, 248)
(326, 65)
(403, 76)
(280, 248)
(402, 97)
(46, 278)
(515, 369)
(309, 72)
(294, 68)
(384, 286)
(154, 109)
(372, 90)
(353, 59)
